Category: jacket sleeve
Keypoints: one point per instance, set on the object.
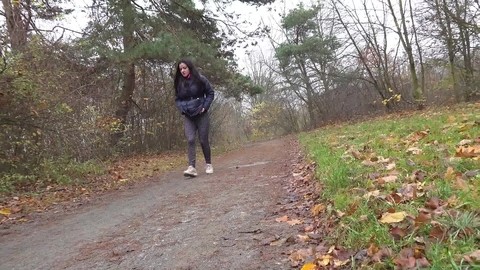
(209, 93)
(178, 103)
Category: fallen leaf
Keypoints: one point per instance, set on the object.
(405, 259)
(419, 240)
(318, 209)
(321, 249)
(352, 208)
(300, 255)
(294, 222)
(453, 201)
(398, 233)
(282, 219)
(461, 184)
(309, 228)
(468, 151)
(414, 151)
(418, 176)
(372, 249)
(338, 263)
(387, 179)
(309, 266)
(390, 166)
(303, 238)
(369, 163)
(410, 191)
(450, 174)
(417, 136)
(340, 214)
(473, 257)
(325, 260)
(451, 119)
(381, 253)
(6, 212)
(375, 194)
(465, 142)
(437, 232)
(395, 198)
(357, 155)
(471, 173)
(465, 127)
(422, 218)
(422, 263)
(279, 242)
(433, 203)
(393, 217)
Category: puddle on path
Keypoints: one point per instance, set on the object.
(251, 164)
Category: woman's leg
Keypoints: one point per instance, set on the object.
(190, 132)
(203, 129)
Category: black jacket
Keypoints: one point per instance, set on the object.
(192, 88)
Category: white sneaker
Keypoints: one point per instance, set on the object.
(209, 169)
(191, 171)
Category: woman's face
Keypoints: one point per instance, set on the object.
(184, 70)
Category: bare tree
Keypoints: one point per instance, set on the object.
(278, 107)
(400, 19)
(369, 38)
(454, 25)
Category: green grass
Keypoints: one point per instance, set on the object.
(352, 160)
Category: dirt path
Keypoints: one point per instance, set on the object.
(219, 221)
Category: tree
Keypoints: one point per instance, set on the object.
(158, 31)
(20, 18)
(438, 15)
(274, 111)
(453, 24)
(371, 45)
(402, 29)
(307, 57)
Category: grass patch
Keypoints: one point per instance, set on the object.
(425, 167)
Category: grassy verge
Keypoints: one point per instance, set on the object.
(404, 190)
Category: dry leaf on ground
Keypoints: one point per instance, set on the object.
(393, 217)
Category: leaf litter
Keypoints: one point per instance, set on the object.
(414, 210)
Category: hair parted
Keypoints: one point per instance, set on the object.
(178, 75)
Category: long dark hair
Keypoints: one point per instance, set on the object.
(178, 75)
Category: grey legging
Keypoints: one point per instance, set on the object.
(202, 124)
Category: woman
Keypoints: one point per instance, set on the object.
(193, 97)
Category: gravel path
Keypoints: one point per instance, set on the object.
(220, 221)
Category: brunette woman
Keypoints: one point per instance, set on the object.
(193, 97)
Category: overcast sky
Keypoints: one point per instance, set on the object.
(257, 16)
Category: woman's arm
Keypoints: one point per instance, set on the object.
(209, 93)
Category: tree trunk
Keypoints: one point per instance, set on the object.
(446, 26)
(402, 30)
(420, 54)
(466, 49)
(124, 103)
(17, 23)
